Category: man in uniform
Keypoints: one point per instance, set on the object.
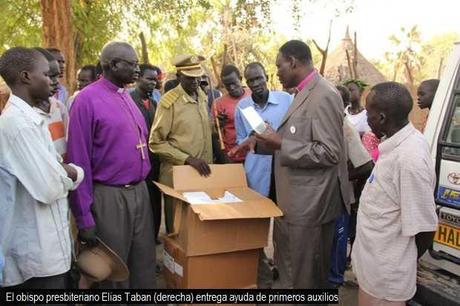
(181, 132)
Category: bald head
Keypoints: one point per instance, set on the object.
(115, 50)
(394, 99)
(388, 106)
(119, 63)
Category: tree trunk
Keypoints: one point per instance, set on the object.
(324, 52)
(441, 61)
(355, 58)
(350, 68)
(145, 53)
(58, 33)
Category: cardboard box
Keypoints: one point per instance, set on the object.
(220, 271)
(202, 229)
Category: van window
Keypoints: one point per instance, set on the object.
(453, 128)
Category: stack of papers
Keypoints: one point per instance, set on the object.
(201, 197)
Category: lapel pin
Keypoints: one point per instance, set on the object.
(292, 129)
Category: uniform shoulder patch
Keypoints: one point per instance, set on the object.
(169, 98)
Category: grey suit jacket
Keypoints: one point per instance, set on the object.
(311, 173)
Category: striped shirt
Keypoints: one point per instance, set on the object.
(57, 120)
(396, 204)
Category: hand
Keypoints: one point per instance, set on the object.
(222, 117)
(246, 146)
(87, 236)
(71, 172)
(200, 165)
(269, 138)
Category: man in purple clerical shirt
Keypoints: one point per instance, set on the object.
(107, 138)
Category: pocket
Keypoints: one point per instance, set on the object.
(306, 177)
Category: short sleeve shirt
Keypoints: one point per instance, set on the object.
(396, 204)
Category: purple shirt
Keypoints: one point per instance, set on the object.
(104, 129)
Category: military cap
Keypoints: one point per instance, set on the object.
(189, 65)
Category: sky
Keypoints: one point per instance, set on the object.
(373, 20)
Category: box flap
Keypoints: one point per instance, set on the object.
(171, 192)
(186, 178)
(254, 205)
(245, 210)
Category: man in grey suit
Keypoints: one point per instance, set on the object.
(310, 166)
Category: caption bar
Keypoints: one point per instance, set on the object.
(170, 296)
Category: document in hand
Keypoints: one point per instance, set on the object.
(254, 119)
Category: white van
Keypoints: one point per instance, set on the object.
(443, 134)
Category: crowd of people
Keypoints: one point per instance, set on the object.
(340, 172)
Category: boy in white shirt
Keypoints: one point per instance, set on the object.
(34, 184)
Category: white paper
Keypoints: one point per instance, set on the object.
(254, 119)
(168, 261)
(178, 269)
(201, 197)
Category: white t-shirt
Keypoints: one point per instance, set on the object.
(358, 120)
(357, 153)
(396, 204)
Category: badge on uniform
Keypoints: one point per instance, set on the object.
(293, 129)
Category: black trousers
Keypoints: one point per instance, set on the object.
(154, 192)
(155, 201)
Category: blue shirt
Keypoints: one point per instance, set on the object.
(156, 96)
(62, 94)
(259, 167)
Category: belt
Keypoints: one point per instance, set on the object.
(122, 186)
(130, 185)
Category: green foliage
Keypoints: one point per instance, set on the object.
(95, 23)
(20, 24)
(426, 59)
(436, 52)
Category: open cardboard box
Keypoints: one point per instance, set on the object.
(218, 271)
(202, 229)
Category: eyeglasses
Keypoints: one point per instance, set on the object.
(132, 64)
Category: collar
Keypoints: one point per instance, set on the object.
(188, 98)
(271, 100)
(112, 87)
(394, 141)
(26, 109)
(41, 112)
(307, 80)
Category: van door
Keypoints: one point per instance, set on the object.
(447, 238)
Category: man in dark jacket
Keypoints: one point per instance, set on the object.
(142, 95)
